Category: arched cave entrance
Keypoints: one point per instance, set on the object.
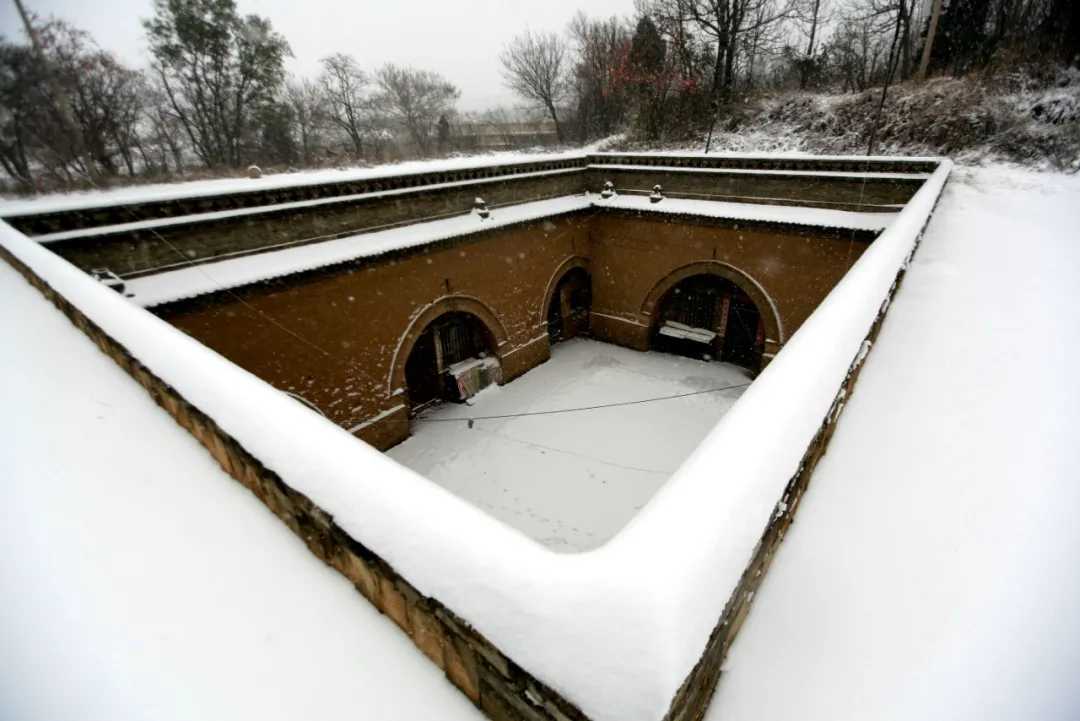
(706, 316)
(568, 310)
(452, 359)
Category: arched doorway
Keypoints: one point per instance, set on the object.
(452, 359)
(568, 309)
(707, 316)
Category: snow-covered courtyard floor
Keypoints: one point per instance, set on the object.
(572, 480)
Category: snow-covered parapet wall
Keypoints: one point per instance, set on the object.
(616, 633)
(155, 229)
(192, 281)
(61, 216)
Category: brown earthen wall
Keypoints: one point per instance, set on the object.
(356, 318)
(633, 254)
(340, 337)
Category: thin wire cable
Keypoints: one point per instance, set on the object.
(583, 408)
(265, 316)
(273, 321)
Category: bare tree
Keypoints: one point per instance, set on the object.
(855, 51)
(19, 90)
(69, 108)
(347, 104)
(103, 95)
(164, 138)
(894, 17)
(763, 42)
(535, 67)
(309, 109)
(602, 48)
(727, 23)
(809, 17)
(415, 99)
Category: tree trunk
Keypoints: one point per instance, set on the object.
(555, 118)
(804, 70)
(924, 64)
(905, 55)
(718, 69)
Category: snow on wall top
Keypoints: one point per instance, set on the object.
(789, 214)
(14, 207)
(206, 278)
(758, 171)
(196, 280)
(294, 205)
(615, 630)
(781, 154)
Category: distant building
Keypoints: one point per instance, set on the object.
(482, 135)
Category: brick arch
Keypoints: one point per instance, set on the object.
(568, 264)
(430, 312)
(770, 316)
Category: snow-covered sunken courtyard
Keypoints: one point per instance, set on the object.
(582, 442)
(929, 574)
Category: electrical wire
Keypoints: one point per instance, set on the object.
(265, 316)
(581, 409)
(261, 314)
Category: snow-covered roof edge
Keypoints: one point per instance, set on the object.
(276, 181)
(778, 155)
(615, 630)
(211, 277)
(160, 192)
(196, 280)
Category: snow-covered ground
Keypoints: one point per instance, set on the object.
(141, 582)
(932, 572)
(631, 645)
(572, 480)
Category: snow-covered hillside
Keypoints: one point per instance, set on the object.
(1018, 118)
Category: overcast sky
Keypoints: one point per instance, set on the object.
(459, 38)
